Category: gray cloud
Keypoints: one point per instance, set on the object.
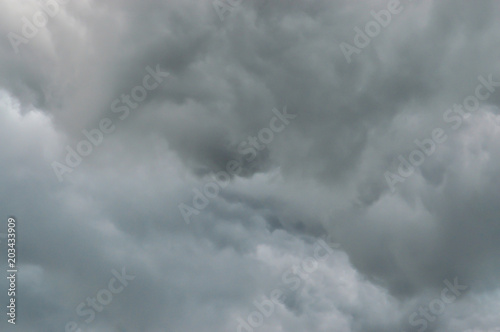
(321, 176)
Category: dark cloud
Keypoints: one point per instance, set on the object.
(322, 175)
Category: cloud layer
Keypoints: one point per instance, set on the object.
(323, 176)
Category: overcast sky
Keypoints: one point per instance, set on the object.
(189, 158)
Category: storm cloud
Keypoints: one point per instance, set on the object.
(252, 120)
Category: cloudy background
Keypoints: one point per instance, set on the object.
(321, 177)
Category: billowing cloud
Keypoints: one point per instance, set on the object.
(173, 164)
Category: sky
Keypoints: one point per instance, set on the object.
(250, 165)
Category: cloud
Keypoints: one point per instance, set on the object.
(321, 176)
